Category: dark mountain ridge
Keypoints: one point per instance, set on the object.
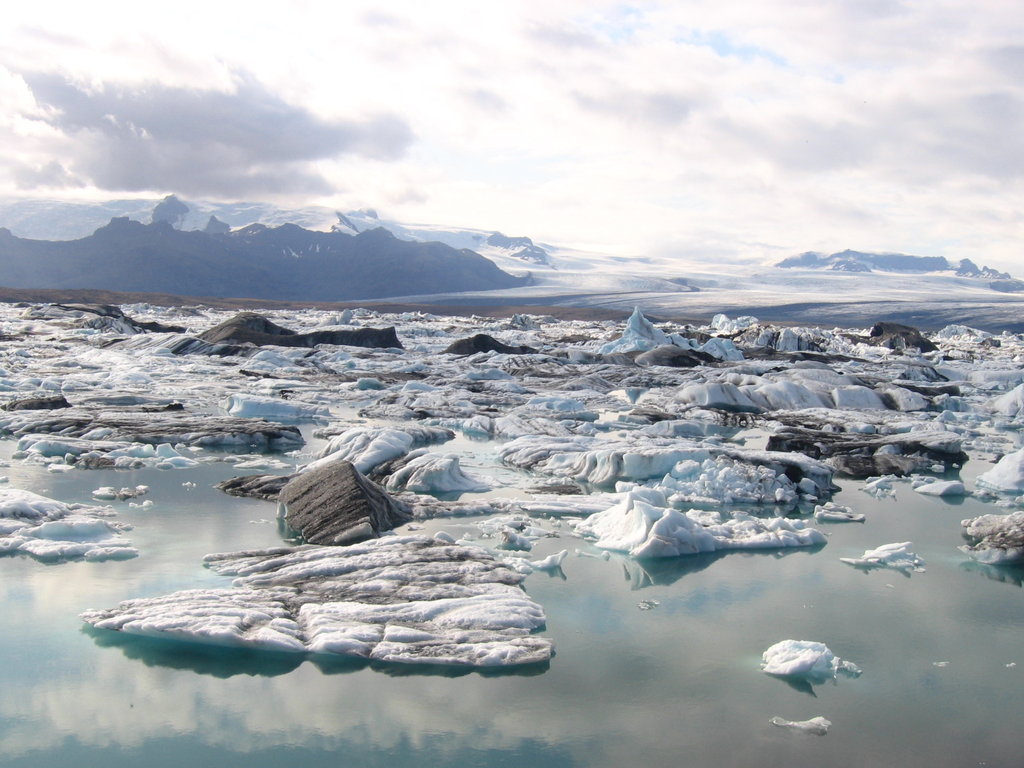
(285, 262)
(860, 261)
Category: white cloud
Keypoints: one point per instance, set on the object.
(660, 126)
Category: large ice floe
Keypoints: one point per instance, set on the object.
(405, 599)
(52, 531)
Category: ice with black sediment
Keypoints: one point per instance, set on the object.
(400, 599)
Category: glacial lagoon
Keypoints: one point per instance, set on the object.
(657, 662)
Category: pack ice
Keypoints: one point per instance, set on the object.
(654, 440)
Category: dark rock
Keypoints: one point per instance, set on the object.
(156, 428)
(170, 210)
(252, 328)
(484, 343)
(45, 403)
(216, 227)
(864, 455)
(672, 356)
(265, 487)
(896, 337)
(335, 504)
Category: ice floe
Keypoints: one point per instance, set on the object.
(816, 726)
(400, 599)
(53, 531)
(897, 556)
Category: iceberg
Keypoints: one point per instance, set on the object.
(806, 659)
(53, 531)
(398, 599)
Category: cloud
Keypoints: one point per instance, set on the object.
(201, 141)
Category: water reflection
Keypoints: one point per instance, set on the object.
(228, 661)
(1008, 574)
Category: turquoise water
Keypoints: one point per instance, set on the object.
(656, 664)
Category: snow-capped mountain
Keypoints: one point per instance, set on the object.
(849, 287)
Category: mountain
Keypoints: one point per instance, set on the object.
(284, 262)
(859, 261)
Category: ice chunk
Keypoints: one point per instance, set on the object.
(52, 531)
(896, 556)
(816, 726)
(806, 659)
(257, 407)
(434, 473)
(1006, 475)
(942, 488)
(404, 599)
(367, 447)
(836, 513)
(644, 530)
(997, 539)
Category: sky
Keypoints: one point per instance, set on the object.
(703, 130)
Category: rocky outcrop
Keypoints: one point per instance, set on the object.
(672, 356)
(865, 455)
(897, 337)
(44, 403)
(334, 504)
(252, 328)
(266, 487)
(484, 343)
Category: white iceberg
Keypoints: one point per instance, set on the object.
(806, 659)
(53, 531)
(897, 556)
(404, 599)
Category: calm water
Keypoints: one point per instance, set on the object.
(656, 664)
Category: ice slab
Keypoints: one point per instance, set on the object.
(53, 531)
(897, 556)
(816, 726)
(401, 599)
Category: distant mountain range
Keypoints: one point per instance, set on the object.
(283, 262)
(859, 261)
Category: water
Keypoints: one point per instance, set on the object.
(656, 664)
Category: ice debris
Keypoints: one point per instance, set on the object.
(53, 531)
(401, 599)
(897, 556)
(816, 726)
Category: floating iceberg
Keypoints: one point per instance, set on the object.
(645, 530)
(1006, 475)
(52, 531)
(816, 726)
(896, 556)
(402, 599)
(997, 539)
(806, 659)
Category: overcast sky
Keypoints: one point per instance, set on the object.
(739, 129)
